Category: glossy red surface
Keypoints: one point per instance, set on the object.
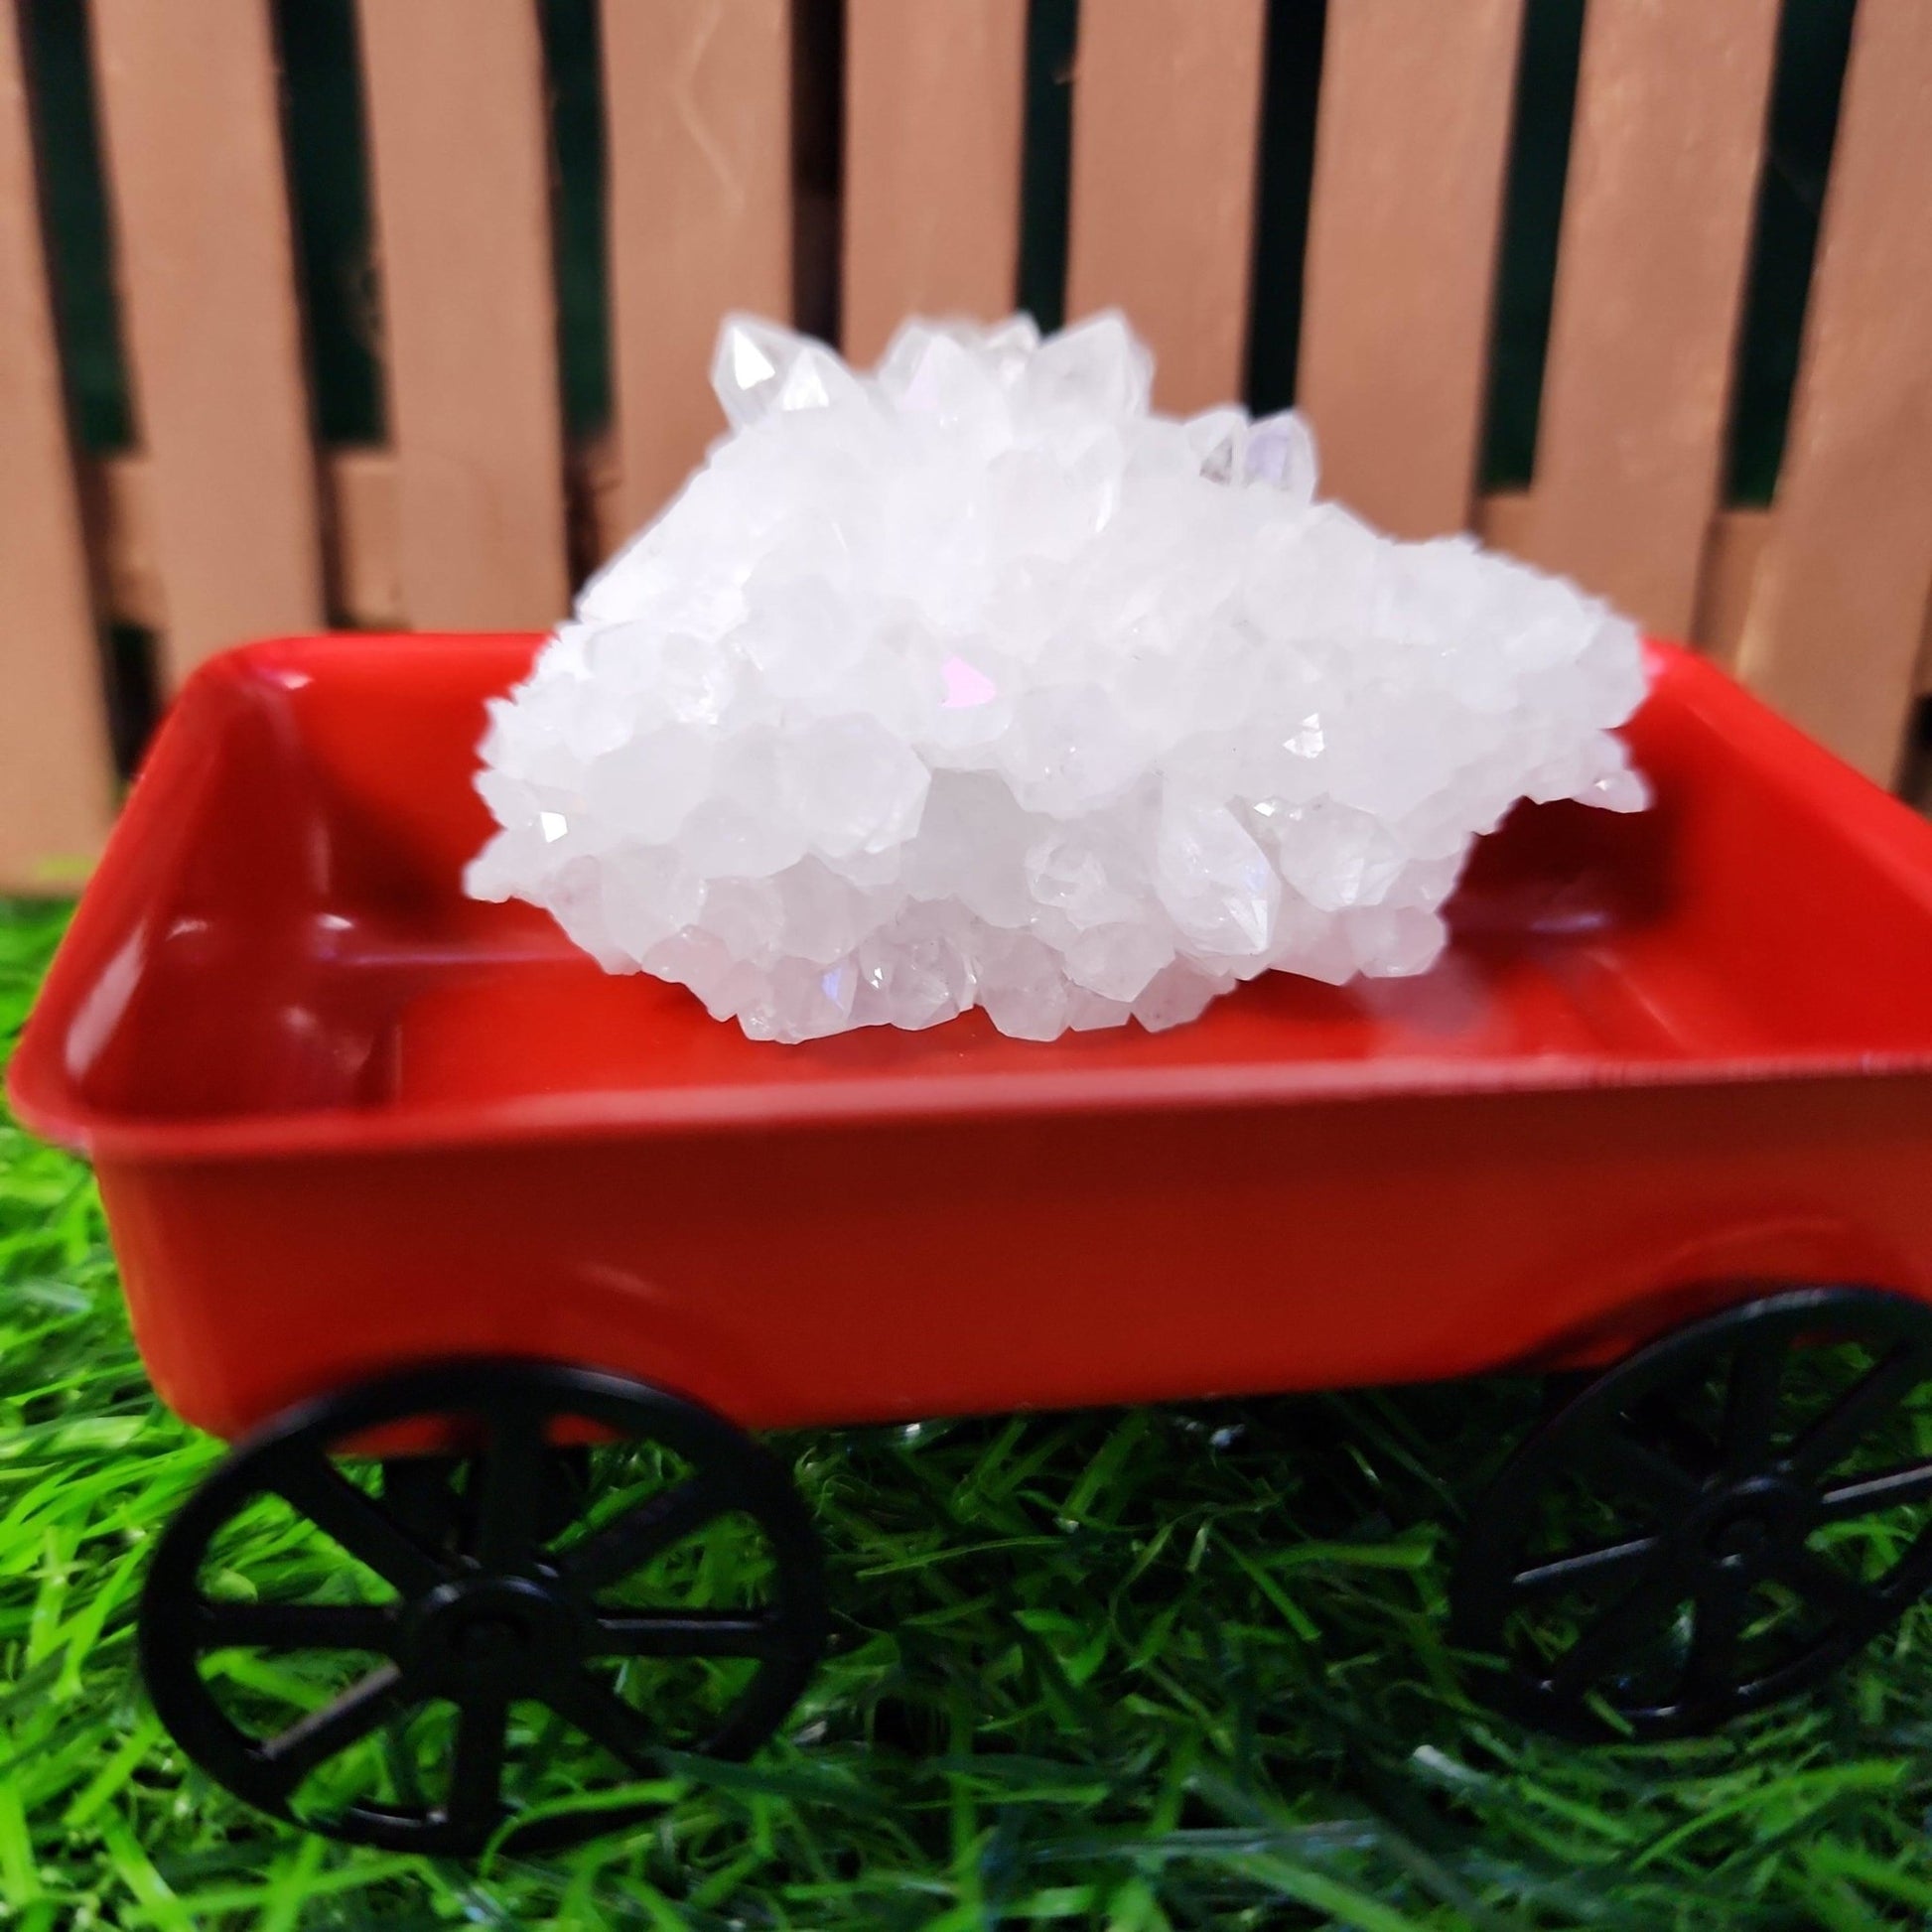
(344, 1117)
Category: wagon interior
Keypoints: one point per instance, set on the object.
(290, 935)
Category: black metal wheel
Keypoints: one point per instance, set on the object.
(418, 1636)
(1712, 1524)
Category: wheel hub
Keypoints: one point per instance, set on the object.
(493, 1629)
(1747, 1522)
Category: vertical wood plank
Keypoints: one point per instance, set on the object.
(193, 139)
(933, 103)
(1166, 121)
(366, 562)
(698, 116)
(55, 774)
(1731, 566)
(460, 156)
(1671, 104)
(1411, 145)
(1839, 603)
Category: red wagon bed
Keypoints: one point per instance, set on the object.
(344, 1118)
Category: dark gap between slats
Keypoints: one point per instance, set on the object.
(1814, 39)
(1285, 175)
(75, 204)
(573, 79)
(817, 162)
(131, 656)
(328, 192)
(86, 322)
(1047, 159)
(1526, 275)
(579, 254)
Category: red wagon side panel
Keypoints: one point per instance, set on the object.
(868, 1272)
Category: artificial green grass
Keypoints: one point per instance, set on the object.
(1177, 1667)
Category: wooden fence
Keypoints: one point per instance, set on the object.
(228, 521)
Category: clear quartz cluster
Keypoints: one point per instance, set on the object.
(974, 682)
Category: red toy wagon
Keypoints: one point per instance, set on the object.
(419, 1205)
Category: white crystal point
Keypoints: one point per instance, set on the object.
(1218, 438)
(974, 683)
(1011, 344)
(816, 379)
(1279, 451)
(1214, 881)
(942, 373)
(1095, 368)
(752, 364)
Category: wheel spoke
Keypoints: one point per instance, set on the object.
(1823, 1584)
(1866, 1495)
(356, 1520)
(1717, 1630)
(477, 1771)
(511, 1491)
(1751, 1404)
(1618, 1632)
(1860, 1409)
(297, 1626)
(291, 1754)
(686, 1633)
(627, 1545)
(604, 1718)
(419, 1491)
(1583, 1568)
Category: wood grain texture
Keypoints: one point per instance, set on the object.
(56, 773)
(192, 135)
(1840, 605)
(363, 492)
(1167, 119)
(698, 116)
(1732, 560)
(1411, 143)
(460, 155)
(361, 495)
(933, 105)
(1650, 275)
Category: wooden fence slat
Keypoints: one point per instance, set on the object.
(698, 118)
(933, 105)
(119, 535)
(1731, 567)
(1840, 605)
(359, 496)
(460, 152)
(56, 774)
(1411, 145)
(362, 494)
(1656, 233)
(1166, 121)
(192, 140)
